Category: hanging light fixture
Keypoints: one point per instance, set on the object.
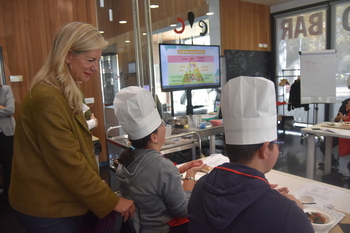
(110, 11)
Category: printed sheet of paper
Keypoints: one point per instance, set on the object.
(215, 160)
(323, 194)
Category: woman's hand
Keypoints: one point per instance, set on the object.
(96, 120)
(126, 208)
(192, 171)
(188, 184)
(340, 116)
(186, 166)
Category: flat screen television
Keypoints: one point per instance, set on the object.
(186, 67)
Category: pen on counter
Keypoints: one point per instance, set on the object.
(308, 203)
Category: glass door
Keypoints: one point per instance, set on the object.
(110, 78)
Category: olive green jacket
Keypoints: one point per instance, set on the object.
(54, 171)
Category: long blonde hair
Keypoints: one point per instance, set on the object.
(76, 37)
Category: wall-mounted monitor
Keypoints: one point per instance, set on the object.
(184, 67)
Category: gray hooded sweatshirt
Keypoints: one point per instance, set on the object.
(154, 184)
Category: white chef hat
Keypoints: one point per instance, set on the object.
(136, 112)
(248, 106)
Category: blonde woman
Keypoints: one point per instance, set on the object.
(54, 176)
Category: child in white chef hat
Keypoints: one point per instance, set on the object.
(236, 196)
(145, 176)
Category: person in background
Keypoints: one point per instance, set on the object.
(90, 118)
(343, 113)
(144, 175)
(7, 128)
(236, 196)
(295, 97)
(55, 177)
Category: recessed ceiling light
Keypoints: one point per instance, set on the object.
(144, 33)
(102, 32)
(122, 21)
(173, 25)
(154, 6)
(210, 13)
(127, 41)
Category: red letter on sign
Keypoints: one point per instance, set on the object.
(287, 27)
(300, 27)
(316, 21)
(183, 26)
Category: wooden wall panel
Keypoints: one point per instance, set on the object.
(244, 25)
(27, 29)
(168, 9)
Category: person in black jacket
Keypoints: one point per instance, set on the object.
(295, 97)
(236, 196)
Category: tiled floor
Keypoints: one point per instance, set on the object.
(293, 161)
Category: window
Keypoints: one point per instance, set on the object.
(297, 31)
(340, 41)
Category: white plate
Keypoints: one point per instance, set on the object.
(338, 216)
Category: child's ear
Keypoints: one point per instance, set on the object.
(154, 138)
(262, 151)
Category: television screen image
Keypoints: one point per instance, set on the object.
(184, 67)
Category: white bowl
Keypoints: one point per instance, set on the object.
(305, 199)
(329, 218)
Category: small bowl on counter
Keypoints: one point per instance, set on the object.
(178, 121)
(306, 199)
(216, 122)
